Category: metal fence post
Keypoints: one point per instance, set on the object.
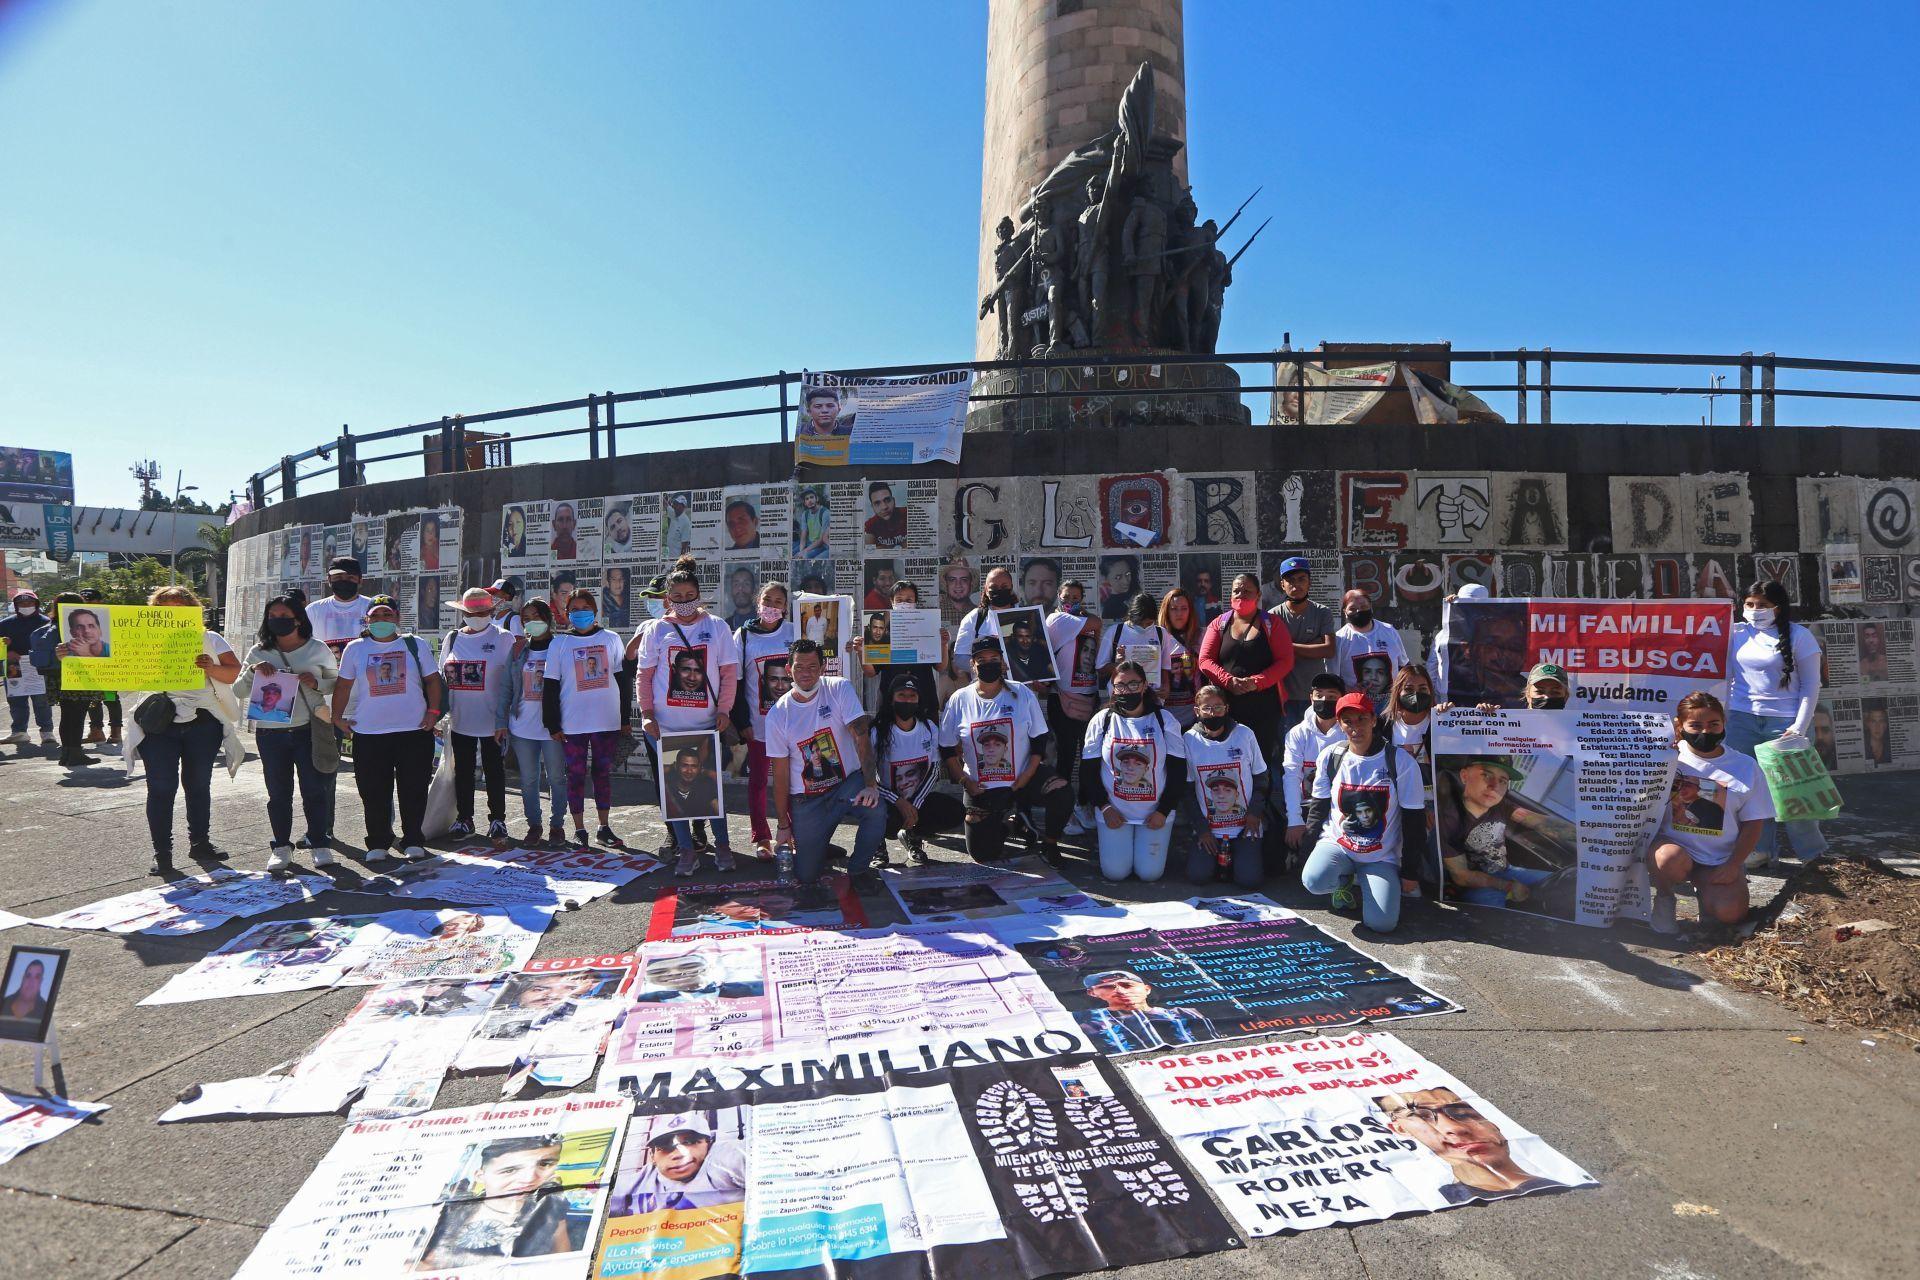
(783, 406)
(613, 445)
(593, 426)
(344, 469)
(289, 479)
(1766, 390)
(257, 490)
(1546, 386)
(1521, 400)
(446, 443)
(1746, 388)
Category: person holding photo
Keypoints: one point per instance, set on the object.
(584, 705)
(689, 673)
(392, 726)
(993, 741)
(921, 674)
(17, 631)
(473, 663)
(996, 592)
(762, 644)
(1317, 730)
(1138, 778)
(1181, 620)
(535, 751)
(44, 654)
(180, 758)
(1075, 639)
(286, 645)
(1141, 627)
(1707, 843)
(1226, 801)
(1774, 692)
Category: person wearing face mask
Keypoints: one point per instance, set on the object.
(473, 662)
(822, 768)
(1367, 815)
(287, 646)
(1227, 797)
(1773, 694)
(1548, 687)
(16, 647)
(1249, 653)
(1306, 740)
(341, 617)
(996, 592)
(1141, 629)
(1181, 620)
(906, 754)
(535, 751)
(686, 684)
(506, 603)
(762, 644)
(1365, 648)
(1074, 635)
(583, 705)
(1409, 716)
(392, 726)
(1707, 841)
(1134, 776)
(923, 674)
(993, 741)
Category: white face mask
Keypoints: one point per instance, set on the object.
(480, 623)
(1759, 617)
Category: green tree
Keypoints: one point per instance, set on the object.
(130, 583)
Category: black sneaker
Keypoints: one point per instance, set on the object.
(459, 830)
(203, 851)
(162, 866)
(916, 850)
(606, 837)
(556, 835)
(869, 881)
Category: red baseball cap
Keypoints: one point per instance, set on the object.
(1355, 701)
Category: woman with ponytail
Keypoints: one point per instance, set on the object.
(1775, 688)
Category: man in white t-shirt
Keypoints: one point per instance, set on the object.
(1300, 754)
(342, 616)
(1075, 638)
(473, 662)
(994, 739)
(1366, 817)
(821, 767)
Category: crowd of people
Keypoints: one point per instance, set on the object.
(1282, 738)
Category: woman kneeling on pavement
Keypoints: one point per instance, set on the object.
(1719, 808)
(1134, 776)
(1227, 795)
(1372, 792)
(286, 647)
(906, 753)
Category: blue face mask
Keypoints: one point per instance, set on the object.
(580, 618)
(1074, 608)
(383, 630)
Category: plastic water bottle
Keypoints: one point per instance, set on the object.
(783, 859)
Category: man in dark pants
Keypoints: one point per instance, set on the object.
(994, 740)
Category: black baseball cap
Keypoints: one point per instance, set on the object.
(344, 564)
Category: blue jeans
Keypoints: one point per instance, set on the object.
(42, 712)
(1134, 849)
(683, 829)
(531, 756)
(176, 761)
(1244, 856)
(284, 755)
(814, 817)
(1378, 882)
(1745, 731)
(1490, 897)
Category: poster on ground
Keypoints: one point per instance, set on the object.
(513, 1189)
(127, 647)
(558, 879)
(1619, 655)
(551, 1020)
(759, 906)
(29, 1119)
(1316, 1133)
(852, 421)
(1550, 812)
(193, 905)
(1162, 988)
(949, 892)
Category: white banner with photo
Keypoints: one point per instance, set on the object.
(29, 1119)
(854, 421)
(193, 905)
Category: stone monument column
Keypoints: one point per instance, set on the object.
(1055, 73)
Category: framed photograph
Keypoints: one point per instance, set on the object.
(690, 776)
(1023, 637)
(273, 699)
(27, 991)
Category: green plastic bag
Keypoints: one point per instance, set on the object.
(1802, 789)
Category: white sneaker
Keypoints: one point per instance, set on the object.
(1074, 826)
(1664, 907)
(1759, 860)
(414, 853)
(48, 739)
(280, 857)
(323, 856)
(380, 855)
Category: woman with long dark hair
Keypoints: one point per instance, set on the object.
(1138, 778)
(285, 646)
(1774, 691)
(1719, 807)
(535, 751)
(1248, 653)
(1180, 619)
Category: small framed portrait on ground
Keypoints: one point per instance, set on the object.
(27, 992)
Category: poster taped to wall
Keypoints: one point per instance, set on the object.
(846, 421)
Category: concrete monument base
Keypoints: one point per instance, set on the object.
(1107, 395)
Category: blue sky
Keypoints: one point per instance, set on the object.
(228, 228)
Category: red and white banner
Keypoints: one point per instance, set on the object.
(1619, 655)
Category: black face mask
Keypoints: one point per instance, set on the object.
(1541, 702)
(1000, 597)
(1129, 702)
(1215, 724)
(990, 670)
(906, 710)
(1323, 707)
(1360, 617)
(1415, 701)
(283, 626)
(1703, 742)
(344, 590)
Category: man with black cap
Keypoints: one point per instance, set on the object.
(341, 617)
(994, 739)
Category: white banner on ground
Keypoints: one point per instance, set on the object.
(1316, 1133)
(29, 1119)
(946, 892)
(551, 1021)
(193, 905)
(558, 879)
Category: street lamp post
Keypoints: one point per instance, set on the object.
(173, 550)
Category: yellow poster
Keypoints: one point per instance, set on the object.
(114, 647)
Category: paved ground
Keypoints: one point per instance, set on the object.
(1672, 1090)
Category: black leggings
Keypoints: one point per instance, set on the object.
(987, 838)
(493, 763)
(938, 812)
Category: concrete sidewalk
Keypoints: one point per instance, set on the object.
(1722, 1148)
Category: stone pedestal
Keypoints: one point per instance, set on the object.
(1108, 395)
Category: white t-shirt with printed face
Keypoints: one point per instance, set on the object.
(913, 759)
(992, 733)
(765, 670)
(686, 658)
(1123, 635)
(530, 720)
(588, 669)
(473, 667)
(1133, 752)
(387, 683)
(1300, 759)
(1709, 801)
(1221, 774)
(1369, 660)
(817, 737)
(338, 622)
(1367, 801)
(1075, 642)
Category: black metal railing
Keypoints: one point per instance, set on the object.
(748, 400)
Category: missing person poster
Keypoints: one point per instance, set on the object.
(1316, 1133)
(1023, 635)
(762, 906)
(900, 636)
(827, 620)
(192, 905)
(690, 776)
(952, 892)
(557, 879)
(851, 421)
(1162, 988)
(1550, 812)
(125, 647)
(1618, 655)
(510, 1189)
(551, 1021)
(29, 1119)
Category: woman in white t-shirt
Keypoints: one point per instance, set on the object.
(1774, 689)
(535, 751)
(392, 727)
(473, 662)
(688, 675)
(584, 710)
(1720, 804)
(1139, 778)
(181, 760)
(1226, 794)
(764, 676)
(1140, 627)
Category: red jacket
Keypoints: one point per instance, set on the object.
(1278, 640)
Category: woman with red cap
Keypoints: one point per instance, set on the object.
(1372, 792)
(473, 662)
